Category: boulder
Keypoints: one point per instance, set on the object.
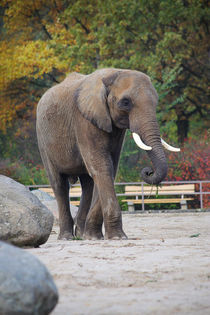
(24, 220)
(53, 207)
(26, 286)
(51, 203)
(42, 195)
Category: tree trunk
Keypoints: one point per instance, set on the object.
(182, 128)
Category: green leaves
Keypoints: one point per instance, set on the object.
(195, 235)
(41, 41)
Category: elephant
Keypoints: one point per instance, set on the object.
(81, 124)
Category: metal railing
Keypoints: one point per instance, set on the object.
(201, 193)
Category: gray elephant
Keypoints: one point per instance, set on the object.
(81, 124)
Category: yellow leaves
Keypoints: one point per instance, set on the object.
(19, 13)
(33, 44)
(60, 34)
(31, 59)
(7, 66)
(35, 59)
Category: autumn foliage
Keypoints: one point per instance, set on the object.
(192, 163)
(41, 41)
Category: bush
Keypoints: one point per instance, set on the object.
(24, 172)
(192, 163)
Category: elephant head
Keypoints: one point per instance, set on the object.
(128, 100)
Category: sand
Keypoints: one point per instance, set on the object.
(163, 268)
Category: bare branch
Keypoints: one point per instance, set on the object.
(82, 25)
(191, 71)
(198, 108)
(43, 26)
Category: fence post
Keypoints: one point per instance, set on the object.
(201, 195)
(142, 192)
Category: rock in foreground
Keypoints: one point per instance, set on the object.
(26, 286)
(24, 220)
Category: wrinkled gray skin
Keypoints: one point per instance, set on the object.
(81, 124)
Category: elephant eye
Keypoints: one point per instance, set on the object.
(125, 101)
(125, 104)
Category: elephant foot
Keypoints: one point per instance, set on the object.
(93, 231)
(93, 235)
(115, 235)
(65, 236)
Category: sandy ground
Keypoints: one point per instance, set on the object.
(160, 269)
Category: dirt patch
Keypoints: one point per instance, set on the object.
(163, 268)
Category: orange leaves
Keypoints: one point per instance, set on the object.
(7, 114)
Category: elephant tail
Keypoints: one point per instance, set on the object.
(73, 179)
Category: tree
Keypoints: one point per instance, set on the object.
(43, 40)
(158, 37)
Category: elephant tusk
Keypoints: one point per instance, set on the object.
(169, 147)
(140, 143)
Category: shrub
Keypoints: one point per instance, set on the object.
(24, 172)
(192, 163)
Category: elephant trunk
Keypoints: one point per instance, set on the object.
(151, 137)
(158, 173)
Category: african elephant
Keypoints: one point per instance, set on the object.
(81, 124)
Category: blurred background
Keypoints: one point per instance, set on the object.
(41, 41)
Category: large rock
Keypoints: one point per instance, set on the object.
(42, 195)
(26, 286)
(24, 220)
(51, 204)
(53, 207)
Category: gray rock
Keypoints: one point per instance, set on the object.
(24, 220)
(51, 203)
(26, 286)
(42, 195)
(53, 207)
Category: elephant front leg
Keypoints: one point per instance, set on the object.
(94, 221)
(110, 207)
(101, 151)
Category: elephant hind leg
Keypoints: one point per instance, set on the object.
(85, 202)
(60, 185)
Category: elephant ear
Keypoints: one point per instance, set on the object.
(91, 100)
